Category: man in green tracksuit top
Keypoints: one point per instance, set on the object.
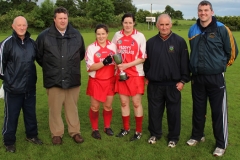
(213, 48)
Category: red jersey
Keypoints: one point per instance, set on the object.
(94, 54)
(131, 47)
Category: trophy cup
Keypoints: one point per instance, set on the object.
(118, 60)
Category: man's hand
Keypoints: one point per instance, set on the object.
(107, 60)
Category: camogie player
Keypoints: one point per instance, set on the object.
(101, 81)
(131, 44)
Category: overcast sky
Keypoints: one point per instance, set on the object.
(189, 7)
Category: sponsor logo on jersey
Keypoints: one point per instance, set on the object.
(171, 48)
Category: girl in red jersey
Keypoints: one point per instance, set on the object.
(101, 79)
(132, 45)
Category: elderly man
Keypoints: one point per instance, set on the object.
(166, 69)
(18, 53)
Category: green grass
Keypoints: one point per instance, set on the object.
(120, 148)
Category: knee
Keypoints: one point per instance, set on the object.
(124, 104)
(136, 105)
(95, 108)
(107, 107)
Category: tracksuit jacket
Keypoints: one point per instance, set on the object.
(17, 61)
(213, 48)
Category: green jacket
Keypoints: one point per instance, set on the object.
(212, 48)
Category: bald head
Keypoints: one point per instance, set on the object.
(20, 26)
(19, 18)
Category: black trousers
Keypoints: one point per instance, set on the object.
(13, 105)
(158, 98)
(210, 87)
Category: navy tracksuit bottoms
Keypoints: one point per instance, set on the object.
(159, 97)
(13, 105)
(210, 87)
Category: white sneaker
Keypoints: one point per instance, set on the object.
(219, 152)
(171, 144)
(152, 140)
(193, 142)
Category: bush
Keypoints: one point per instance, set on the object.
(176, 23)
(7, 19)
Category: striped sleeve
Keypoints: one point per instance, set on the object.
(233, 46)
(1, 54)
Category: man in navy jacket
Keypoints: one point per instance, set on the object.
(18, 71)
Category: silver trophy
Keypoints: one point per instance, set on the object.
(118, 60)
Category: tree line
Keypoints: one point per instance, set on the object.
(85, 13)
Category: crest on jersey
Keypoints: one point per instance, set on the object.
(119, 41)
(98, 54)
(132, 44)
(171, 49)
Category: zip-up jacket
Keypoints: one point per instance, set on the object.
(167, 60)
(60, 57)
(18, 69)
(213, 48)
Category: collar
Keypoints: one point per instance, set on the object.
(165, 37)
(210, 25)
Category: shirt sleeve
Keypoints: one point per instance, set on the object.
(89, 57)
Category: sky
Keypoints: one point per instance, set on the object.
(189, 7)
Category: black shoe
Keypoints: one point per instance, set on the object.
(35, 140)
(123, 133)
(10, 148)
(136, 136)
(108, 131)
(96, 134)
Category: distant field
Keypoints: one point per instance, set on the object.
(112, 148)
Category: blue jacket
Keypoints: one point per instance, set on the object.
(212, 48)
(17, 62)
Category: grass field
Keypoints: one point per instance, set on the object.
(120, 148)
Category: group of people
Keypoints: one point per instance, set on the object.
(162, 63)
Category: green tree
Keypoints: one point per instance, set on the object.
(42, 17)
(169, 10)
(7, 19)
(4, 7)
(70, 5)
(25, 6)
(141, 15)
(156, 14)
(82, 7)
(124, 6)
(100, 13)
(177, 15)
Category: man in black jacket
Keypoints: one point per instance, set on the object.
(166, 70)
(18, 53)
(60, 50)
